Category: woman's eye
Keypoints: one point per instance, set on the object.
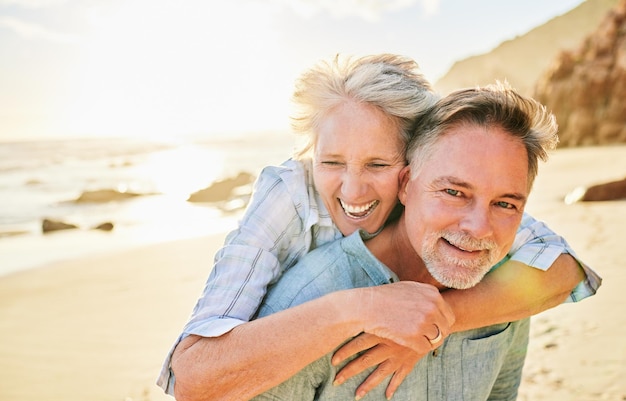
(453, 192)
(378, 165)
(331, 163)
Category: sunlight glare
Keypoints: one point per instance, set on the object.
(153, 69)
(179, 172)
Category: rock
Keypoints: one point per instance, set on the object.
(52, 225)
(104, 195)
(585, 88)
(107, 226)
(222, 190)
(613, 190)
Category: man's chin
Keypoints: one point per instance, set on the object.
(463, 284)
(457, 281)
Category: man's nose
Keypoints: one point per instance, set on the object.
(477, 222)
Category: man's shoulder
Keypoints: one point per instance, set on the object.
(316, 274)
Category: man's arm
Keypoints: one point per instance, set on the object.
(260, 354)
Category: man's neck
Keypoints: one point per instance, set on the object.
(392, 247)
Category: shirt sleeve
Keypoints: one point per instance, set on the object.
(271, 236)
(536, 245)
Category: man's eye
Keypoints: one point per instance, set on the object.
(453, 192)
(505, 205)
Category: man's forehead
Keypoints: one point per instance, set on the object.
(473, 155)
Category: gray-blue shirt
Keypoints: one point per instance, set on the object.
(480, 364)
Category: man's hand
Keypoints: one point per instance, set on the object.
(391, 358)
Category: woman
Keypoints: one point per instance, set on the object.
(357, 117)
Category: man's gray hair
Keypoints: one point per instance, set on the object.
(493, 105)
(390, 82)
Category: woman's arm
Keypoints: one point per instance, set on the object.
(540, 273)
(514, 291)
(511, 292)
(257, 355)
(260, 354)
(271, 235)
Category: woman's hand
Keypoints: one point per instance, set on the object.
(408, 313)
(389, 357)
(403, 322)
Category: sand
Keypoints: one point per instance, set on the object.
(98, 327)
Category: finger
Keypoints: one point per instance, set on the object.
(395, 382)
(368, 359)
(374, 379)
(420, 346)
(441, 323)
(353, 347)
(436, 331)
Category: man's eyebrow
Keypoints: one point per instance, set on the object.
(516, 196)
(451, 180)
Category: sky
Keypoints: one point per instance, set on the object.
(157, 68)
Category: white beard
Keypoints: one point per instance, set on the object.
(455, 272)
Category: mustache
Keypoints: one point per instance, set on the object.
(467, 242)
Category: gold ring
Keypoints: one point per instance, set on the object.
(437, 338)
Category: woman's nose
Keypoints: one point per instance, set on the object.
(353, 183)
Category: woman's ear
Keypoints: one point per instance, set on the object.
(403, 178)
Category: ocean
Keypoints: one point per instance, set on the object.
(42, 179)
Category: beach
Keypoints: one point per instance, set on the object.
(98, 326)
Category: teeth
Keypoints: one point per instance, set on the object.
(350, 209)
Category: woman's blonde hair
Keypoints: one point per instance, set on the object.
(392, 83)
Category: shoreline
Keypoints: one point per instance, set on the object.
(97, 326)
(26, 252)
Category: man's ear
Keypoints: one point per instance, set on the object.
(403, 181)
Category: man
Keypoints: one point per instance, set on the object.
(471, 169)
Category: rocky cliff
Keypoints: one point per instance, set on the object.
(586, 88)
(522, 60)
